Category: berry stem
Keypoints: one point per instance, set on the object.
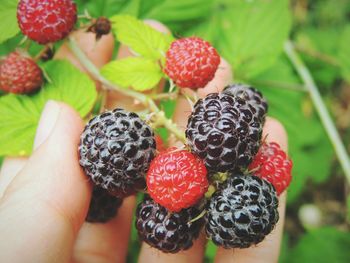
(316, 98)
(199, 216)
(144, 99)
(171, 95)
(162, 120)
(210, 192)
(42, 52)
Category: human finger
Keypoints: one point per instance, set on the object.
(106, 242)
(100, 242)
(9, 169)
(268, 250)
(44, 207)
(99, 52)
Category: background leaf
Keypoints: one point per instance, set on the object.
(177, 14)
(20, 114)
(137, 72)
(98, 8)
(8, 25)
(249, 34)
(322, 245)
(69, 85)
(344, 53)
(324, 41)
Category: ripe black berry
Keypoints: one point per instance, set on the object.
(166, 231)
(103, 206)
(250, 94)
(224, 131)
(116, 149)
(242, 212)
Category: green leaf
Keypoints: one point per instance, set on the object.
(285, 250)
(344, 53)
(141, 38)
(70, 85)
(8, 25)
(249, 34)
(322, 245)
(20, 114)
(137, 72)
(210, 251)
(259, 30)
(98, 8)
(326, 42)
(169, 11)
(131, 8)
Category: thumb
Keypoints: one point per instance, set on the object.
(47, 201)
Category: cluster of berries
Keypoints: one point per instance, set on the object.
(118, 152)
(118, 149)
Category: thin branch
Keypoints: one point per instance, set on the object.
(160, 96)
(317, 55)
(145, 100)
(325, 117)
(43, 51)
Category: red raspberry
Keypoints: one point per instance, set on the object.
(272, 164)
(177, 179)
(19, 74)
(46, 21)
(191, 62)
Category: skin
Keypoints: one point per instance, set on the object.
(44, 198)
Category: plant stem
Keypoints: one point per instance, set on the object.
(162, 120)
(42, 52)
(325, 117)
(144, 99)
(171, 95)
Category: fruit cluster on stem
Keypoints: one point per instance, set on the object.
(144, 99)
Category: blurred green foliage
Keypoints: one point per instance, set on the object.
(250, 35)
(321, 245)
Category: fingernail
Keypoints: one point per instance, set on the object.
(47, 122)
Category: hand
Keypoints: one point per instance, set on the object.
(44, 199)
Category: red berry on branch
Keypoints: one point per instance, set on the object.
(46, 21)
(177, 179)
(191, 62)
(19, 74)
(272, 164)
